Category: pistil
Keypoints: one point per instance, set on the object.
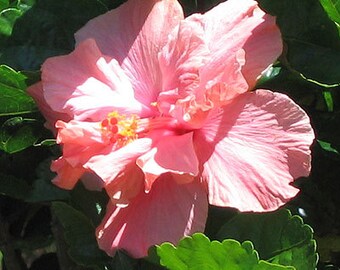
(121, 129)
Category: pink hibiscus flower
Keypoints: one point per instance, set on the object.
(157, 110)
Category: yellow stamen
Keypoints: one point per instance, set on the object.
(119, 129)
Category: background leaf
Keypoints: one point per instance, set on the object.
(13, 98)
(43, 190)
(13, 187)
(122, 261)
(279, 237)
(311, 38)
(18, 133)
(10, 11)
(79, 234)
(47, 29)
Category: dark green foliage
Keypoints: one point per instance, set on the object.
(312, 39)
(277, 236)
(308, 71)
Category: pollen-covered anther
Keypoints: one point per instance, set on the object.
(119, 129)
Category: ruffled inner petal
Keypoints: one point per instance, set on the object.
(109, 163)
(145, 221)
(181, 58)
(173, 154)
(67, 175)
(252, 149)
(80, 141)
(87, 85)
(126, 186)
(243, 41)
(134, 33)
(212, 58)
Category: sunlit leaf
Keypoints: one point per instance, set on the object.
(329, 100)
(7, 19)
(18, 133)
(332, 8)
(10, 11)
(13, 98)
(198, 252)
(3, 4)
(327, 147)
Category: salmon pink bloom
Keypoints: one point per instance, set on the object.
(157, 110)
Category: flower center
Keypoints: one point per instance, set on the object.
(121, 129)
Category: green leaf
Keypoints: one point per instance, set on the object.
(312, 45)
(268, 75)
(10, 12)
(332, 8)
(4, 4)
(278, 236)
(7, 20)
(91, 203)
(327, 95)
(198, 252)
(18, 133)
(80, 235)
(43, 189)
(28, 57)
(47, 29)
(327, 147)
(13, 187)
(122, 261)
(315, 62)
(13, 98)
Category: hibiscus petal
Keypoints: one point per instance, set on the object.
(36, 91)
(134, 33)
(243, 41)
(167, 213)
(79, 133)
(262, 48)
(67, 175)
(182, 57)
(252, 149)
(85, 147)
(87, 86)
(110, 163)
(80, 140)
(174, 154)
(126, 185)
